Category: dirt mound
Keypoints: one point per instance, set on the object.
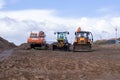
(24, 46)
(100, 42)
(4, 44)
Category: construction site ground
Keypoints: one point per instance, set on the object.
(103, 63)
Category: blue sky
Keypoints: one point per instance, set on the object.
(20, 17)
(69, 8)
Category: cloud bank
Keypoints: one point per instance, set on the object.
(16, 26)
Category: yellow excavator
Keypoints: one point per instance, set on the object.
(83, 40)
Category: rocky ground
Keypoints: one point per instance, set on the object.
(103, 63)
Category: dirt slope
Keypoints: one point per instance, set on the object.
(4, 44)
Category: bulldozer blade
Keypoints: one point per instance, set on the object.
(82, 48)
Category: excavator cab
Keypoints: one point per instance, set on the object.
(33, 35)
(62, 42)
(83, 41)
(83, 37)
(62, 37)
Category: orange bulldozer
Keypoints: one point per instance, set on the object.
(37, 40)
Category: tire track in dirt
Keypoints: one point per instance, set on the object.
(6, 54)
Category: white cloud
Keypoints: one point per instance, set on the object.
(15, 26)
(2, 3)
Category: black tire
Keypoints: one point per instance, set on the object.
(53, 47)
(32, 46)
(73, 48)
(46, 47)
(66, 48)
(90, 46)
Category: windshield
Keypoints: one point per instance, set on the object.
(61, 36)
(86, 35)
(33, 36)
